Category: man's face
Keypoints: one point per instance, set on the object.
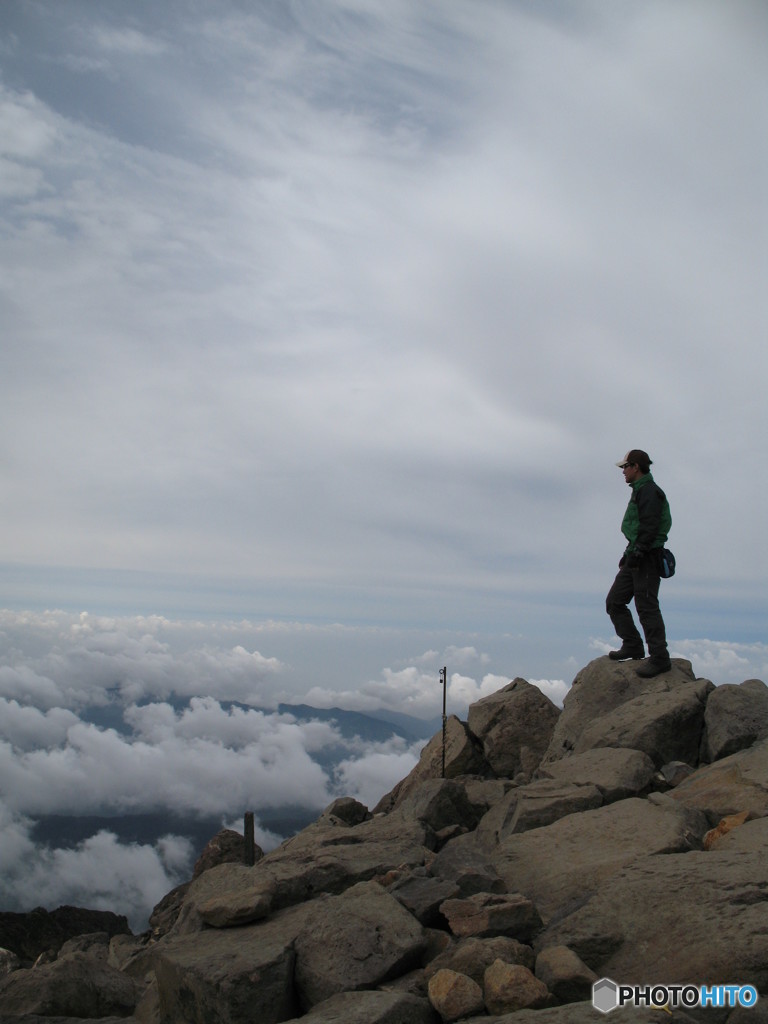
(631, 472)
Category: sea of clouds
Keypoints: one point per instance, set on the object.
(111, 717)
(123, 716)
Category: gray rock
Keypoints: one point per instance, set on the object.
(355, 941)
(680, 918)
(559, 867)
(617, 772)
(673, 772)
(371, 1008)
(462, 861)
(345, 811)
(733, 784)
(77, 985)
(8, 962)
(515, 727)
(565, 974)
(512, 987)
(422, 896)
(226, 847)
(94, 943)
(665, 722)
(599, 689)
(132, 954)
(233, 975)
(321, 858)
(463, 756)
(736, 716)
(471, 956)
(487, 914)
(485, 793)
(535, 805)
(225, 896)
(454, 995)
(439, 803)
(165, 914)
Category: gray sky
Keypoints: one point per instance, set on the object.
(323, 326)
(368, 297)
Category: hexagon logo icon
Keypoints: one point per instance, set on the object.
(605, 995)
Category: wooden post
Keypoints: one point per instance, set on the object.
(249, 846)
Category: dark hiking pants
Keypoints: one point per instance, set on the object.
(642, 584)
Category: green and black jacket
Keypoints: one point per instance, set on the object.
(647, 520)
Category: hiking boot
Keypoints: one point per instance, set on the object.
(627, 653)
(652, 668)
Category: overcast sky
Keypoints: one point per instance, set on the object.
(323, 325)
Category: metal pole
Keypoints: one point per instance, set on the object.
(444, 678)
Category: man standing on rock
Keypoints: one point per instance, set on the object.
(646, 526)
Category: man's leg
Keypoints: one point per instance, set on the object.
(616, 604)
(647, 581)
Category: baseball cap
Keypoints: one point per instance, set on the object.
(636, 455)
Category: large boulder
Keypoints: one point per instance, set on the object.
(463, 862)
(535, 805)
(598, 693)
(618, 772)
(666, 724)
(560, 866)
(693, 918)
(515, 727)
(463, 756)
(355, 941)
(77, 985)
(323, 858)
(440, 803)
(735, 718)
(226, 847)
(422, 896)
(232, 975)
(733, 784)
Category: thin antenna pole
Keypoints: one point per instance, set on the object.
(444, 680)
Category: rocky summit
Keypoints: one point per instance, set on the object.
(622, 837)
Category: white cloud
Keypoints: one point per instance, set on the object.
(27, 727)
(99, 873)
(555, 689)
(723, 662)
(82, 658)
(369, 777)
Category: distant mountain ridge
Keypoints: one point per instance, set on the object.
(374, 726)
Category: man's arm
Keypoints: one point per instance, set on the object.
(650, 505)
